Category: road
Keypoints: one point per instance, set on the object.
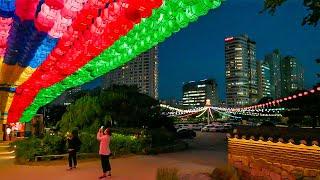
(208, 150)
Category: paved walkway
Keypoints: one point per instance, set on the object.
(207, 152)
(130, 168)
(6, 156)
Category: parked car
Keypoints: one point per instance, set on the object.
(267, 124)
(184, 133)
(197, 127)
(177, 126)
(227, 127)
(212, 128)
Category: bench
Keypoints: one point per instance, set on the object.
(36, 158)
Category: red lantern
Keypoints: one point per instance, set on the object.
(55, 4)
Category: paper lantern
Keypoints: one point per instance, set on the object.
(25, 9)
(83, 43)
(55, 4)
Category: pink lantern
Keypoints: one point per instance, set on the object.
(43, 24)
(46, 17)
(60, 26)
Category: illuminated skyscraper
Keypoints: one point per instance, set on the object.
(141, 72)
(264, 76)
(274, 59)
(195, 93)
(292, 75)
(241, 71)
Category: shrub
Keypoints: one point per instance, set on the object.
(121, 144)
(167, 174)
(161, 137)
(225, 173)
(128, 131)
(89, 144)
(27, 149)
(53, 144)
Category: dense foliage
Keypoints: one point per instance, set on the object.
(120, 106)
(304, 111)
(28, 149)
(134, 118)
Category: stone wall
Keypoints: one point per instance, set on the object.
(276, 161)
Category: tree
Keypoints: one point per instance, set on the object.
(302, 107)
(265, 100)
(84, 113)
(313, 6)
(119, 106)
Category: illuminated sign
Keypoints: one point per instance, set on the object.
(228, 39)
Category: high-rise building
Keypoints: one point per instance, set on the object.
(195, 93)
(264, 76)
(141, 72)
(241, 71)
(67, 97)
(274, 59)
(292, 75)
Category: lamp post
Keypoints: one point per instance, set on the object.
(208, 105)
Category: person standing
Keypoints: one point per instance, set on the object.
(104, 151)
(74, 145)
(8, 131)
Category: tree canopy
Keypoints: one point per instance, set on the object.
(313, 7)
(119, 106)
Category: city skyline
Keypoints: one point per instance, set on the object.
(206, 60)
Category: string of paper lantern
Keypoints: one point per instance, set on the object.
(163, 22)
(86, 48)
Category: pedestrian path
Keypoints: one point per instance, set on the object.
(129, 168)
(6, 155)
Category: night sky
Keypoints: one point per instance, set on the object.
(197, 52)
